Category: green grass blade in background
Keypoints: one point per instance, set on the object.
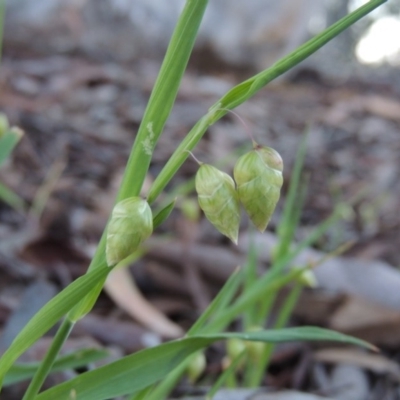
(8, 141)
(248, 88)
(222, 299)
(137, 371)
(292, 208)
(227, 374)
(77, 359)
(11, 198)
(284, 313)
(271, 282)
(9, 138)
(49, 315)
(249, 315)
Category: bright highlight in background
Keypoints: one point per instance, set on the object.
(381, 43)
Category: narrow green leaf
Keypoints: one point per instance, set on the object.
(11, 198)
(163, 214)
(223, 297)
(269, 283)
(142, 395)
(78, 359)
(139, 370)
(227, 374)
(48, 316)
(293, 206)
(8, 141)
(213, 311)
(284, 314)
(251, 276)
(233, 99)
(88, 301)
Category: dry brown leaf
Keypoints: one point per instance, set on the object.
(367, 320)
(122, 289)
(373, 362)
(382, 106)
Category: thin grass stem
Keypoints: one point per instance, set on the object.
(48, 361)
(284, 314)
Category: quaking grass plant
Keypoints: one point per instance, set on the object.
(147, 374)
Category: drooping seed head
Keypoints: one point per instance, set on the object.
(130, 225)
(219, 200)
(258, 176)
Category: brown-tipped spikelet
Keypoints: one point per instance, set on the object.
(258, 176)
(219, 200)
(130, 225)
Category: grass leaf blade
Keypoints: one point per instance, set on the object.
(137, 371)
(49, 315)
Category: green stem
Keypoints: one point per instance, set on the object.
(242, 92)
(268, 283)
(284, 315)
(162, 97)
(249, 317)
(157, 111)
(265, 307)
(48, 361)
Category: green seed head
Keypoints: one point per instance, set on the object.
(307, 278)
(196, 366)
(130, 225)
(255, 349)
(235, 347)
(219, 200)
(258, 176)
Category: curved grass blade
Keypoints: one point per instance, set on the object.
(8, 141)
(11, 198)
(78, 359)
(49, 315)
(137, 371)
(242, 92)
(223, 297)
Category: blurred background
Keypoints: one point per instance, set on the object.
(76, 76)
